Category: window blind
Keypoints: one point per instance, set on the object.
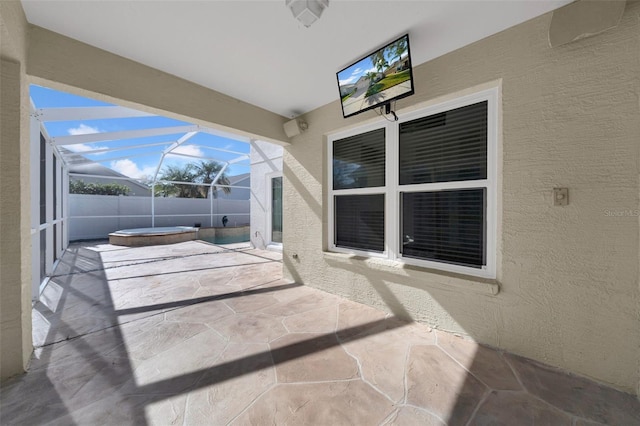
(446, 226)
(358, 161)
(359, 222)
(445, 147)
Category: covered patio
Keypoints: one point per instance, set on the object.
(196, 333)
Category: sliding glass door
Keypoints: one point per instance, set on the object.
(276, 209)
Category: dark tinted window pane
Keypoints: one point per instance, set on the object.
(444, 226)
(360, 222)
(276, 209)
(55, 242)
(358, 161)
(43, 180)
(43, 254)
(445, 147)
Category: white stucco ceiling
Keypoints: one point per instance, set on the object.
(257, 52)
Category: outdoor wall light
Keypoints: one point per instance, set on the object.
(307, 11)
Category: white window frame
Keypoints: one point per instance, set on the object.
(392, 190)
(357, 191)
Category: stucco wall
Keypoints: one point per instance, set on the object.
(568, 275)
(15, 272)
(266, 159)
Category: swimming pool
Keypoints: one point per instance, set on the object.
(139, 237)
(226, 239)
(153, 236)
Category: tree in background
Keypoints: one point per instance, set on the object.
(379, 61)
(207, 171)
(398, 49)
(201, 173)
(184, 173)
(82, 187)
(372, 75)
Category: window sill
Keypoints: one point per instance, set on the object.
(426, 277)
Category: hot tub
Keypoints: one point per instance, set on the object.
(153, 236)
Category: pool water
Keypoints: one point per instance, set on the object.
(219, 239)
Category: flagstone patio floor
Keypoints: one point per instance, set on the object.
(200, 334)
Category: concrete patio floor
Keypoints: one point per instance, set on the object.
(199, 334)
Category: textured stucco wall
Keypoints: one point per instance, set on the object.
(568, 275)
(266, 158)
(15, 272)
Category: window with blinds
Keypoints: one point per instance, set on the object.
(445, 226)
(358, 168)
(446, 147)
(421, 190)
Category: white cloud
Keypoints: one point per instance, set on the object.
(83, 129)
(83, 147)
(356, 71)
(347, 81)
(188, 150)
(131, 169)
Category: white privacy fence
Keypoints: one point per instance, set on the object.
(96, 216)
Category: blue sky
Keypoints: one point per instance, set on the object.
(351, 74)
(143, 161)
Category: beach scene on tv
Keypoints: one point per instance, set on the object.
(383, 75)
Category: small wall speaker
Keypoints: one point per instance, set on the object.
(295, 127)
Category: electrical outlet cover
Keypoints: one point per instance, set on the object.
(560, 196)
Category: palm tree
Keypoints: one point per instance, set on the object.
(398, 48)
(206, 171)
(371, 75)
(202, 174)
(379, 61)
(185, 173)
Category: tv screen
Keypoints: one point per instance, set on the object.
(377, 79)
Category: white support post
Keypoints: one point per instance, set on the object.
(215, 179)
(213, 183)
(211, 202)
(153, 203)
(34, 136)
(153, 191)
(49, 208)
(59, 194)
(65, 208)
(173, 146)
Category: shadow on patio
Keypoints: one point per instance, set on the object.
(194, 333)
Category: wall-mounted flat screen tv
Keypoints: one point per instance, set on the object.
(377, 79)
